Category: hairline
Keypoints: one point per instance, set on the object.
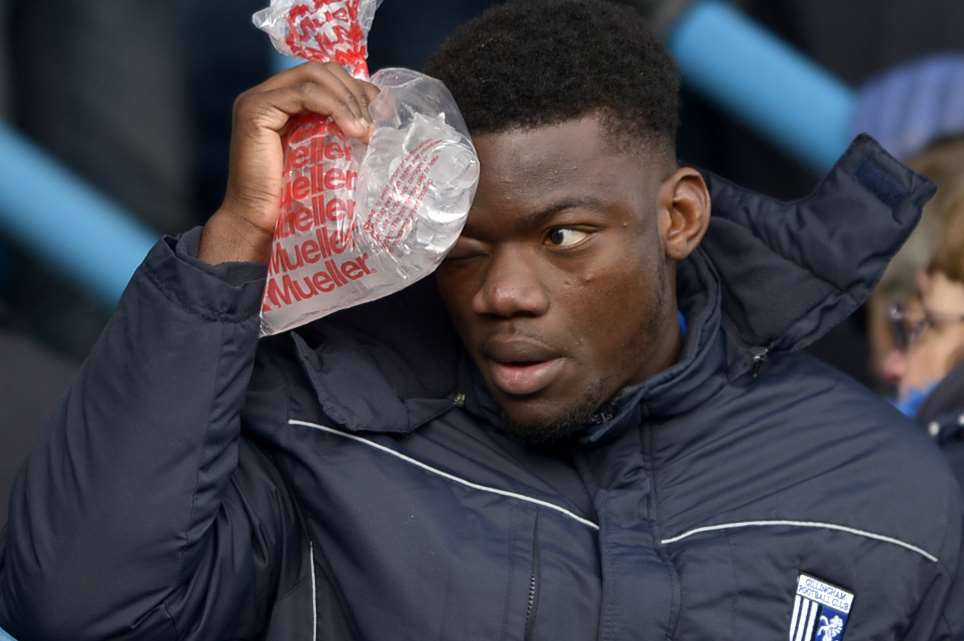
(653, 143)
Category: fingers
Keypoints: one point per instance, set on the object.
(355, 95)
(274, 108)
(357, 89)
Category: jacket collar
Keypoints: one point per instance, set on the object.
(701, 370)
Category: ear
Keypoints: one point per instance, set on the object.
(684, 217)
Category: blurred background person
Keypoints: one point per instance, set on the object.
(929, 336)
(942, 162)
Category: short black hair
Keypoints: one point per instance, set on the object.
(532, 63)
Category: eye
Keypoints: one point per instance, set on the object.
(566, 237)
(454, 258)
(462, 252)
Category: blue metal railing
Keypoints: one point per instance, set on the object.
(57, 216)
(763, 82)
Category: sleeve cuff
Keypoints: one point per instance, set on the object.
(231, 291)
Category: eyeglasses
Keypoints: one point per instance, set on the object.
(910, 322)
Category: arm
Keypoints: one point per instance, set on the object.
(127, 504)
(143, 515)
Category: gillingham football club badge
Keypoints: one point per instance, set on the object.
(820, 610)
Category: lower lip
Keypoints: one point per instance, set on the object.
(523, 379)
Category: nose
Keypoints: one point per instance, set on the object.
(893, 367)
(511, 287)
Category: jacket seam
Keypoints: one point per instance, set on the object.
(197, 476)
(507, 602)
(734, 525)
(176, 298)
(737, 592)
(292, 589)
(942, 617)
(450, 476)
(167, 613)
(648, 437)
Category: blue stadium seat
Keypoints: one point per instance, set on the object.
(5, 637)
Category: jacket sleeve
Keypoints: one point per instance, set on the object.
(143, 515)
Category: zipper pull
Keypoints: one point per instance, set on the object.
(758, 359)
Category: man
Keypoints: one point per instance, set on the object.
(577, 466)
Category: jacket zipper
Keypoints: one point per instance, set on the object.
(533, 601)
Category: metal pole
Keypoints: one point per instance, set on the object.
(57, 216)
(763, 82)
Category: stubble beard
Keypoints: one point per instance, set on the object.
(564, 426)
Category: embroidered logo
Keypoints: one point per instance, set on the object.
(820, 611)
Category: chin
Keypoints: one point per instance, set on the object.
(548, 421)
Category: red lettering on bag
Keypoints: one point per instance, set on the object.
(295, 290)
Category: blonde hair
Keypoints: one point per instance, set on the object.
(938, 241)
(949, 257)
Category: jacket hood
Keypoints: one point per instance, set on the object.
(774, 275)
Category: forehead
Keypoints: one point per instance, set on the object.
(532, 168)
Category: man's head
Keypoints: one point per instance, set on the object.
(562, 285)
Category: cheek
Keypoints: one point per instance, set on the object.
(456, 293)
(606, 306)
(952, 347)
(925, 361)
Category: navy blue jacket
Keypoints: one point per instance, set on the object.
(349, 481)
(942, 415)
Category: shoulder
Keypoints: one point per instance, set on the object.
(834, 412)
(833, 406)
(841, 454)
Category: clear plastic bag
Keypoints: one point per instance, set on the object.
(359, 222)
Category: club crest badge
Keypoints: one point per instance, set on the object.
(820, 611)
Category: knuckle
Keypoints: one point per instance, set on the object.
(242, 103)
(343, 111)
(320, 70)
(307, 89)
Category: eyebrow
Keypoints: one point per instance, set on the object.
(539, 218)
